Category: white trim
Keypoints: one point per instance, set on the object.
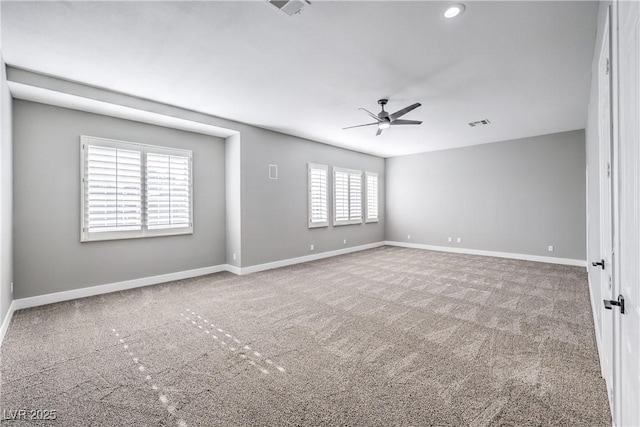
(144, 230)
(233, 269)
(367, 218)
(524, 257)
(310, 168)
(616, 408)
(74, 102)
(597, 329)
(349, 173)
(6, 321)
(307, 258)
(112, 287)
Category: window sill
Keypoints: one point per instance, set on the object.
(338, 224)
(128, 235)
(319, 225)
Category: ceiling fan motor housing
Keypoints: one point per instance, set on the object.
(383, 114)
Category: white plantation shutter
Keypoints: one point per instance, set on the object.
(318, 207)
(372, 197)
(347, 196)
(355, 196)
(168, 190)
(341, 195)
(133, 190)
(112, 190)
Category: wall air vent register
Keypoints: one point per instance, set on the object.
(290, 7)
(479, 123)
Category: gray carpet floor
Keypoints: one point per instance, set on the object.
(384, 337)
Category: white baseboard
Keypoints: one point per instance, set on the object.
(6, 321)
(233, 269)
(307, 258)
(524, 257)
(112, 287)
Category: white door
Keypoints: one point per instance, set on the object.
(627, 337)
(606, 204)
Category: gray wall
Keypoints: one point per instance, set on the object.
(274, 212)
(282, 236)
(48, 254)
(6, 195)
(593, 176)
(514, 196)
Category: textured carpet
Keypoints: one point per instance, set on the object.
(385, 337)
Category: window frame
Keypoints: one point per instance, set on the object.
(349, 172)
(317, 224)
(370, 219)
(144, 232)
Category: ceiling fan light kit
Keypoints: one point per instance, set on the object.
(384, 120)
(454, 10)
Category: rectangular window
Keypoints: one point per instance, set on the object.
(134, 190)
(318, 184)
(371, 214)
(347, 196)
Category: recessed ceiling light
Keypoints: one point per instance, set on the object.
(454, 10)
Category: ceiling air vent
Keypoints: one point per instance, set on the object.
(479, 123)
(290, 7)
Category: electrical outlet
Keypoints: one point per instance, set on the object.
(550, 248)
(408, 236)
(459, 239)
(344, 242)
(450, 239)
(273, 171)
(311, 247)
(234, 257)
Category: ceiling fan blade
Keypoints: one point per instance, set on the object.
(404, 111)
(370, 113)
(359, 126)
(379, 132)
(406, 122)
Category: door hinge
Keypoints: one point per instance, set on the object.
(609, 303)
(608, 169)
(608, 67)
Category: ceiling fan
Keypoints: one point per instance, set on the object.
(384, 119)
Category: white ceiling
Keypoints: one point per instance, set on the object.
(525, 66)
